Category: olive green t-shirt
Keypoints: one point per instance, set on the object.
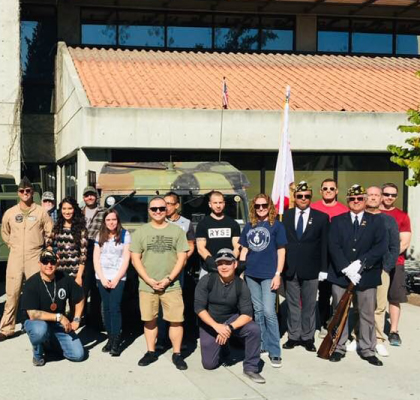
(159, 248)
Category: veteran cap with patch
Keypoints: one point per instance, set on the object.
(48, 196)
(302, 186)
(356, 190)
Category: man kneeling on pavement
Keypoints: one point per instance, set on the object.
(223, 304)
(44, 299)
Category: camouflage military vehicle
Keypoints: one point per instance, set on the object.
(129, 186)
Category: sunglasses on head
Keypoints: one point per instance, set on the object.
(156, 209)
(358, 198)
(26, 191)
(394, 195)
(332, 189)
(264, 206)
(304, 196)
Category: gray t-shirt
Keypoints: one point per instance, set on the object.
(186, 225)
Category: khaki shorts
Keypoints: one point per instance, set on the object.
(172, 306)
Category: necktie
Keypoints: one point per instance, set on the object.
(299, 227)
(355, 225)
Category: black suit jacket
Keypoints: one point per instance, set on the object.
(369, 246)
(308, 256)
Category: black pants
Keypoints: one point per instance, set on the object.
(324, 302)
(93, 309)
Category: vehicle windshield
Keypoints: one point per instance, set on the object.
(134, 209)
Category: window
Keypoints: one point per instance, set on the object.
(333, 35)
(99, 34)
(189, 37)
(144, 36)
(236, 32)
(70, 178)
(408, 37)
(372, 36)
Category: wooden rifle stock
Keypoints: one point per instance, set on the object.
(337, 324)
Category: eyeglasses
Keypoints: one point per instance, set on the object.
(264, 206)
(170, 204)
(26, 191)
(358, 198)
(332, 189)
(394, 195)
(156, 209)
(304, 196)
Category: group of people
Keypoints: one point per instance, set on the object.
(316, 250)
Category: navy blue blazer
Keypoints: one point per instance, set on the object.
(308, 256)
(369, 246)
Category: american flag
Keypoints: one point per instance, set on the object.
(225, 95)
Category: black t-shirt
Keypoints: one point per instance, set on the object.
(218, 233)
(35, 296)
(222, 301)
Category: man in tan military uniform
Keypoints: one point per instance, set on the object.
(24, 227)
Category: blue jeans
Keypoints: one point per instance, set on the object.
(41, 331)
(264, 302)
(111, 306)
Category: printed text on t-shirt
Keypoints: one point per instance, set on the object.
(215, 233)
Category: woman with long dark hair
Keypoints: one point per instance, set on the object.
(111, 257)
(263, 241)
(69, 239)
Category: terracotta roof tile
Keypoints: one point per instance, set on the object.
(163, 79)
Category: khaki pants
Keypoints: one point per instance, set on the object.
(14, 279)
(381, 306)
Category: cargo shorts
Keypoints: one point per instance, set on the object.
(172, 305)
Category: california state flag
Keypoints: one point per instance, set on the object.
(284, 175)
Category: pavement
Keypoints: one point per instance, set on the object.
(303, 375)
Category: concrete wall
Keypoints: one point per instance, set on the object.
(10, 94)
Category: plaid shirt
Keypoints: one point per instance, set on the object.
(53, 214)
(95, 223)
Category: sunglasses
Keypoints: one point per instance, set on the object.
(394, 195)
(48, 260)
(156, 209)
(358, 198)
(304, 196)
(170, 204)
(332, 189)
(259, 206)
(26, 191)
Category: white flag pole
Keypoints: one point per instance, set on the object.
(285, 145)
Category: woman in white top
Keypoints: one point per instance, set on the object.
(111, 258)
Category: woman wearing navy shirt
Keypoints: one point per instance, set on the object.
(263, 241)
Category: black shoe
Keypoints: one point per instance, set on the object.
(108, 346)
(179, 362)
(373, 360)
(336, 357)
(290, 344)
(394, 339)
(147, 359)
(115, 349)
(309, 345)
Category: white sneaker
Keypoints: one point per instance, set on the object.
(352, 346)
(381, 350)
(322, 333)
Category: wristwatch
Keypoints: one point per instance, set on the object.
(277, 273)
(77, 319)
(58, 317)
(231, 327)
(169, 279)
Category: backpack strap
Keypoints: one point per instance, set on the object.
(123, 231)
(211, 281)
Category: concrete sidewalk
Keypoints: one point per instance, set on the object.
(303, 376)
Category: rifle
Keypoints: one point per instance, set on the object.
(338, 322)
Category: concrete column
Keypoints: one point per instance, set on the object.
(68, 23)
(82, 179)
(10, 93)
(306, 33)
